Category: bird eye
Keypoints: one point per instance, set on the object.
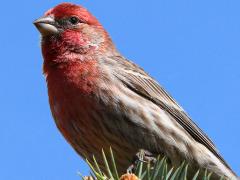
(74, 20)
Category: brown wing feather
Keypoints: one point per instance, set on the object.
(141, 83)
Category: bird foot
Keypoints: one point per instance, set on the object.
(142, 156)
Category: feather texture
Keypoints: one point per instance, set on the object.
(141, 83)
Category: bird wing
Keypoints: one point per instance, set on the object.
(141, 83)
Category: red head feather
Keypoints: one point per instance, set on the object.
(68, 9)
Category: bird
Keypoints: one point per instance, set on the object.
(100, 99)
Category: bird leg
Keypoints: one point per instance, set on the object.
(143, 156)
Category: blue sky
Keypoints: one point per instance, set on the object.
(190, 47)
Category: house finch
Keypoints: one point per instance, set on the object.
(100, 99)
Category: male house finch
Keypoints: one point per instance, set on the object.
(100, 99)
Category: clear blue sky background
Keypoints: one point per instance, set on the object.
(191, 47)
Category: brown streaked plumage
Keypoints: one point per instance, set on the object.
(99, 99)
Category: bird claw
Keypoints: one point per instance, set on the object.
(141, 156)
(131, 169)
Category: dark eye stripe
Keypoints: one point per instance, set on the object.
(68, 22)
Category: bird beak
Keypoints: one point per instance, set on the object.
(46, 25)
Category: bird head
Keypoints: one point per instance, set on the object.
(65, 17)
(70, 29)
